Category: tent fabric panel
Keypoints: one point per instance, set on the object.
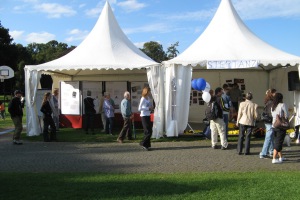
(177, 98)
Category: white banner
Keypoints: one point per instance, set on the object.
(231, 64)
(70, 98)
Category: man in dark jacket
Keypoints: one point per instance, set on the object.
(89, 109)
(15, 108)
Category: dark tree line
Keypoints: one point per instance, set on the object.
(17, 56)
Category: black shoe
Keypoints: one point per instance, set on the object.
(264, 157)
(214, 147)
(145, 148)
(247, 154)
(240, 153)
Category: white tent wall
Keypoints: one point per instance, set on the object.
(32, 83)
(279, 81)
(177, 97)
(255, 81)
(156, 82)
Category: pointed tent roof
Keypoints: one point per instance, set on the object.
(106, 47)
(228, 38)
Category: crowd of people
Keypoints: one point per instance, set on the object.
(221, 108)
(226, 104)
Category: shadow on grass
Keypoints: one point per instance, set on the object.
(149, 186)
(102, 186)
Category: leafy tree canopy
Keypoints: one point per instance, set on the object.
(172, 50)
(155, 51)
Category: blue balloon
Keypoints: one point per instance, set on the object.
(194, 84)
(201, 83)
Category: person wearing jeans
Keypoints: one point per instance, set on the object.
(109, 114)
(267, 149)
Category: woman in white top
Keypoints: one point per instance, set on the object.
(145, 108)
(278, 108)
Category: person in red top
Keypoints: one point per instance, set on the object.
(2, 110)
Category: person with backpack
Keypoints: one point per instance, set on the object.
(214, 114)
(267, 149)
(15, 108)
(246, 118)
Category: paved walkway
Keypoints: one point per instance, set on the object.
(166, 157)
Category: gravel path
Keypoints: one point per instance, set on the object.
(165, 157)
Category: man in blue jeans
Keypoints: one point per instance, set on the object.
(226, 105)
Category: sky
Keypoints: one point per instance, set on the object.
(164, 21)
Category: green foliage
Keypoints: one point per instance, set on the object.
(172, 50)
(155, 51)
(16, 56)
(52, 50)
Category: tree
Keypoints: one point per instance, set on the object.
(12, 55)
(52, 50)
(172, 50)
(155, 51)
(5, 46)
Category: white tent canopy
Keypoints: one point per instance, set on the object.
(226, 43)
(106, 47)
(227, 38)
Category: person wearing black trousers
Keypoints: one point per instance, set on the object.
(145, 107)
(89, 108)
(47, 118)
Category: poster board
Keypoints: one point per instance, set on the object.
(136, 94)
(116, 90)
(70, 98)
(39, 99)
(96, 88)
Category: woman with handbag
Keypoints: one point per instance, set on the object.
(267, 149)
(279, 108)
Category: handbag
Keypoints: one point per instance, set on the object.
(266, 118)
(281, 122)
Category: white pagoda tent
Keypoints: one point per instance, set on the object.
(227, 43)
(105, 50)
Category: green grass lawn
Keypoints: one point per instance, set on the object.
(256, 185)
